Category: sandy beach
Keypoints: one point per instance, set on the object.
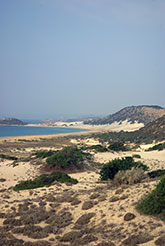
(116, 126)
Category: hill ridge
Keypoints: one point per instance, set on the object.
(141, 114)
(153, 131)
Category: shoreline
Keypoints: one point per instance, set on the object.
(48, 136)
(84, 130)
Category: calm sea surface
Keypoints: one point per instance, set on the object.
(9, 131)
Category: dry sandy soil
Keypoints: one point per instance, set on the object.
(90, 213)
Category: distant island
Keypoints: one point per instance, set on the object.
(11, 122)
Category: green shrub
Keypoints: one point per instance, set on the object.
(45, 180)
(69, 157)
(154, 203)
(110, 169)
(136, 156)
(159, 147)
(117, 146)
(156, 173)
(44, 153)
(24, 140)
(97, 148)
(143, 135)
(7, 157)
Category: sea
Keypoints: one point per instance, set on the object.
(16, 131)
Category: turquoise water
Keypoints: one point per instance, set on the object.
(16, 131)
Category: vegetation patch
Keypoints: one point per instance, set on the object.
(8, 157)
(45, 180)
(38, 243)
(27, 140)
(136, 156)
(157, 173)
(44, 153)
(85, 219)
(160, 241)
(97, 148)
(154, 202)
(2, 180)
(87, 205)
(159, 147)
(68, 158)
(118, 146)
(153, 131)
(61, 220)
(110, 169)
(71, 236)
(129, 177)
(136, 239)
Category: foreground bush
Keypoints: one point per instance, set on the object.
(133, 176)
(68, 158)
(154, 203)
(110, 169)
(45, 180)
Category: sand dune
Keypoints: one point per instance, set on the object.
(105, 205)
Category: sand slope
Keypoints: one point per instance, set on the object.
(106, 205)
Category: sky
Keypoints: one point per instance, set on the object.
(76, 58)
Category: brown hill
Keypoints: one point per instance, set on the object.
(142, 114)
(153, 131)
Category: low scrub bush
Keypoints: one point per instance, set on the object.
(44, 153)
(136, 156)
(45, 180)
(118, 146)
(110, 169)
(8, 157)
(157, 173)
(159, 147)
(68, 158)
(26, 140)
(154, 202)
(97, 148)
(133, 176)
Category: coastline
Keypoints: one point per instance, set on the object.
(114, 127)
(48, 136)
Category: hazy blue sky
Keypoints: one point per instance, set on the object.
(79, 57)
